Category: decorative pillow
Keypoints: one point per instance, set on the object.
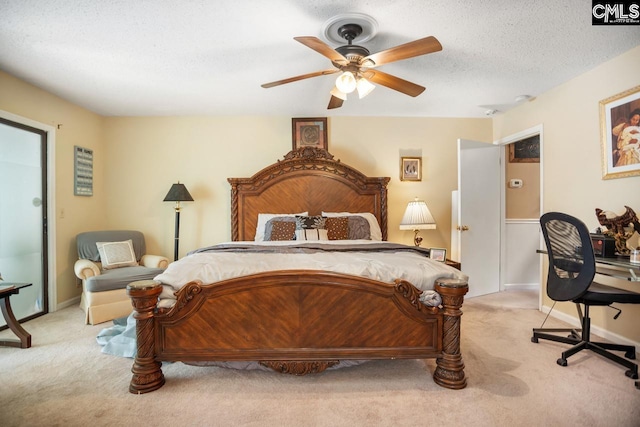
(308, 222)
(282, 230)
(268, 228)
(311, 228)
(311, 234)
(116, 254)
(359, 228)
(338, 228)
(264, 218)
(376, 232)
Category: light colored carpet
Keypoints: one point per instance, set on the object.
(64, 380)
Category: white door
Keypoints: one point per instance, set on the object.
(479, 215)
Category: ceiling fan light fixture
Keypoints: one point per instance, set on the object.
(346, 82)
(364, 87)
(338, 94)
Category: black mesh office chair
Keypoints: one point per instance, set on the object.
(572, 269)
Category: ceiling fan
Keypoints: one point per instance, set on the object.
(357, 65)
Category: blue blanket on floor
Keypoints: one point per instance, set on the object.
(119, 339)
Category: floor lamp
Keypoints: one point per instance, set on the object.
(417, 217)
(178, 193)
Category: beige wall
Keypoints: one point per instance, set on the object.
(572, 159)
(77, 127)
(523, 202)
(146, 155)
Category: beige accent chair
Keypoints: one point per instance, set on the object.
(104, 294)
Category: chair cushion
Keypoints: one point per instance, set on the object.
(598, 294)
(119, 278)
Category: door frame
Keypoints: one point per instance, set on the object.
(51, 202)
(535, 130)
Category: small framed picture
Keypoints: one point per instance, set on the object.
(438, 254)
(311, 132)
(411, 169)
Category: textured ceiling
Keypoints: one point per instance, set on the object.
(202, 57)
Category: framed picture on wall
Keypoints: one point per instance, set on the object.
(82, 171)
(620, 134)
(411, 169)
(525, 151)
(310, 132)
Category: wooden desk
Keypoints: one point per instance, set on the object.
(24, 338)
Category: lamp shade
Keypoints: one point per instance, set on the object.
(346, 82)
(364, 87)
(417, 217)
(336, 92)
(178, 193)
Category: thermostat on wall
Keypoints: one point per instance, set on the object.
(515, 183)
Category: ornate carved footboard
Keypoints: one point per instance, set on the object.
(296, 322)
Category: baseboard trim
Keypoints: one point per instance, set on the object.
(68, 303)
(573, 321)
(521, 286)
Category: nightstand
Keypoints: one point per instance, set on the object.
(454, 264)
(6, 290)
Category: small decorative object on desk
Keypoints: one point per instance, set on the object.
(635, 255)
(620, 227)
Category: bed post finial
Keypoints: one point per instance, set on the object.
(147, 372)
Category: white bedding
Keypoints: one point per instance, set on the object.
(211, 267)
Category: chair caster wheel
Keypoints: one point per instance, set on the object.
(562, 362)
(630, 355)
(534, 339)
(632, 374)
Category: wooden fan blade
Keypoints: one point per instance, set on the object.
(323, 49)
(395, 83)
(334, 102)
(408, 50)
(301, 77)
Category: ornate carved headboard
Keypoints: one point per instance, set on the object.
(307, 179)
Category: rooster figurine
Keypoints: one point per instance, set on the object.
(620, 227)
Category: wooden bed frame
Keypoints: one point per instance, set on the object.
(298, 321)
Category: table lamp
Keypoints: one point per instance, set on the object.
(417, 217)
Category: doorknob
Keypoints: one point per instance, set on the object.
(462, 228)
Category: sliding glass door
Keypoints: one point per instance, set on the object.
(23, 207)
